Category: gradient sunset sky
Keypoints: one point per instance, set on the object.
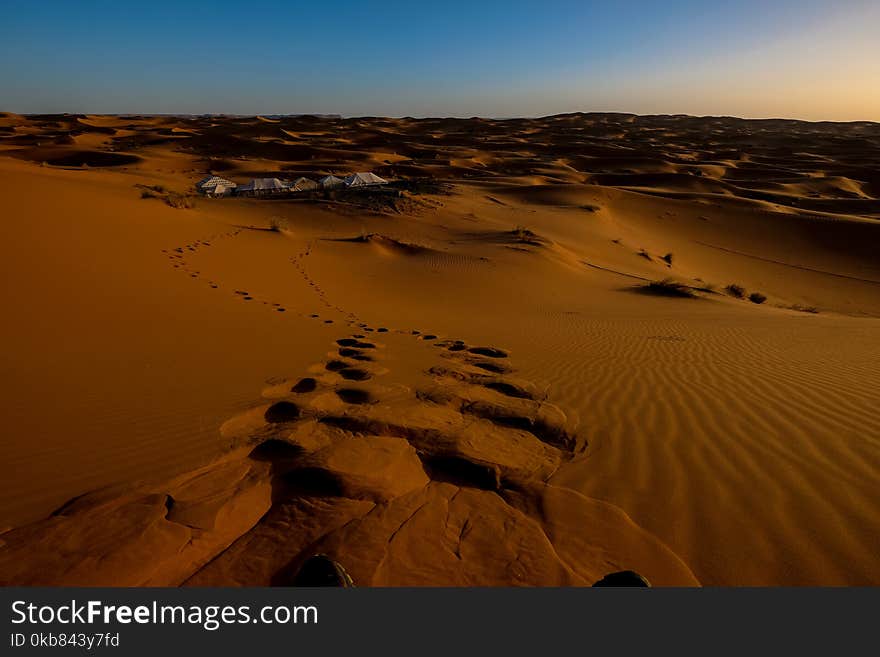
(807, 59)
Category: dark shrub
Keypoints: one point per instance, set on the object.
(735, 290)
(757, 297)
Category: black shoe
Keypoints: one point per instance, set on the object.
(321, 570)
(623, 578)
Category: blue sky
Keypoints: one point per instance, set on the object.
(809, 59)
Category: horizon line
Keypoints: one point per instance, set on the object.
(339, 116)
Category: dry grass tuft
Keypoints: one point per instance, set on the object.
(670, 288)
(277, 224)
(735, 290)
(179, 201)
(523, 235)
(757, 297)
(173, 199)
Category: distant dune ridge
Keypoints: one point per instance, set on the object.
(551, 349)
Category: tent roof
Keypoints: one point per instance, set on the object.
(213, 181)
(303, 184)
(364, 178)
(331, 181)
(264, 183)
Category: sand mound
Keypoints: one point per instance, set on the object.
(8, 119)
(576, 196)
(388, 245)
(662, 181)
(77, 158)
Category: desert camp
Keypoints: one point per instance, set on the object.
(216, 187)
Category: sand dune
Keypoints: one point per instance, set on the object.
(454, 386)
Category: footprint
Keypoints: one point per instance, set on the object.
(509, 389)
(307, 384)
(490, 367)
(489, 352)
(283, 411)
(354, 396)
(347, 352)
(354, 374)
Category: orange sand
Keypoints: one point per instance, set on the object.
(702, 439)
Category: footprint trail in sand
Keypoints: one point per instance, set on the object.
(413, 460)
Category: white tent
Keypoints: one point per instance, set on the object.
(215, 186)
(364, 180)
(303, 185)
(221, 190)
(331, 182)
(264, 186)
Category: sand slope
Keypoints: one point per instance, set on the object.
(527, 410)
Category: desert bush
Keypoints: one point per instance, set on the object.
(644, 253)
(179, 201)
(735, 290)
(522, 233)
(670, 288)
(525, 236)
(152, 191)
(757, 297)
(277, 224)
(805, 309)
(667, 258)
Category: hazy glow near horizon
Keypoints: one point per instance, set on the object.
(807, 59)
